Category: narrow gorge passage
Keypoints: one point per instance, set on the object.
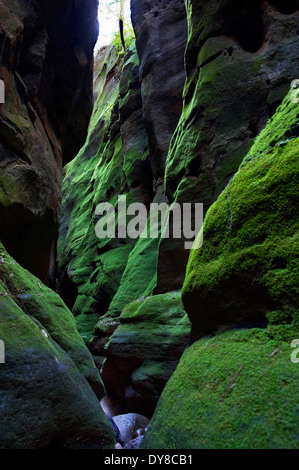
(131, 131)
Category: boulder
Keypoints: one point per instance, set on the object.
(128, 424)
(235, 390)
(245, 271)
(50, 387)
(144, 350)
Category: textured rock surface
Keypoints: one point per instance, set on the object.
(161, 35)
(241, 58)
(46, 397)
(144, 350)
(46, 64)
(236, 389)
(135, 104)
(246, 269)
(113, 162)
(128, 424)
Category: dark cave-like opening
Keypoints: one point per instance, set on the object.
(244, 22)
(286, 7)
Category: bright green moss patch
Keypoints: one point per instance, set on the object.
(247, 266)
(236, 390)
(38, 302)
(109, 165)
(140, 270)
(160, 308)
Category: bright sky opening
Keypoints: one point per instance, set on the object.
(108, 15)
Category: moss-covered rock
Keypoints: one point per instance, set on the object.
(47, 379)
(247, 267)
(113, 162)
(144, 350)
(236, 390)
(235, 81)
(46, 65)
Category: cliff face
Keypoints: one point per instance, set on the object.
(47, 66)
(176, 124)
(237, 383)
(161, 34)
(125, 154)
(240, 60)
(50, 387)
(190, 112)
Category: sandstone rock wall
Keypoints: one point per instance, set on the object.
(50, 387)
(240, 60)
(46, 55)
(235, 386)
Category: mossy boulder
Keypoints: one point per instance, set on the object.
(49, 381)
(241, 58)
(144, 350)
(246, 270)
(236, 386)
(235, 390)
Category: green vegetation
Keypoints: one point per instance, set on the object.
(236, 390)
(247, 266)
(21, 290)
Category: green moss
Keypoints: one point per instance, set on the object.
(161, 308)
(44, 395)
(105, 168)
(85, 325)
(213, 99)
(138, 274)
(236, 390)
(44, 306)
(247, 265)
(154, 328)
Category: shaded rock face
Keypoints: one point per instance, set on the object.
(161, 36)
(245, 271)
(114, 161)
(229, 392)
(46, 63)
(50, 387)
(235, 386)
(143, 351)
(241, 58)
(118, 159)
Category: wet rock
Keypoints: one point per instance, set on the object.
(128, 424)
